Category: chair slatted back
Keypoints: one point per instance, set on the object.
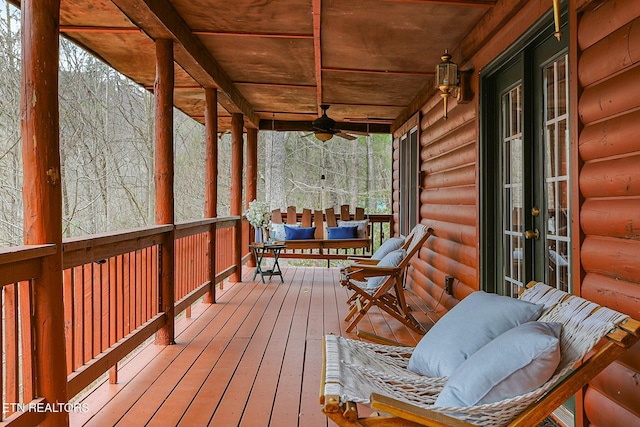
(414, 242)
(276, 216)
(291, 215)
(344, 213)
(331, 217)
(306, 218)
(359, 214)
(318, 222)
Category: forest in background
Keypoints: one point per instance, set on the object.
(106, 149)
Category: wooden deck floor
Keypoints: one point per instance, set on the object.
(252, 359)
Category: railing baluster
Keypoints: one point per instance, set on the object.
(67, 282)
(113, 287)
(25, 298)
(12, 343)
(78, 296)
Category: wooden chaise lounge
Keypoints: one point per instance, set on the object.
(380, 376)
(319, 247)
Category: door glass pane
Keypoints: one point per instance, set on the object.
(512, 191)
(404, 190)
(557, 174)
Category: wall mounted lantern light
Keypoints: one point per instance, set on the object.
(556, 19)
(447, 79)
(453, 83)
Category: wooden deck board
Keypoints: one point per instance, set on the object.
(252, 360)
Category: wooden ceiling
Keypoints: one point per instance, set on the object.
(277, 61)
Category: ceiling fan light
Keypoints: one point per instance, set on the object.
(323, 136)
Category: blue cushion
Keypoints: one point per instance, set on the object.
(299, 233)
(342, 232)
(465, 329)
(392, 259)
(517, 362)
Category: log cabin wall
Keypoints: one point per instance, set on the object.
(608, 67)
(448, 202)
(449, 178)
(608, 46)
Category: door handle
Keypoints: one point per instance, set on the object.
(532, 234)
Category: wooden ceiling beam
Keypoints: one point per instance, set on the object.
(96, 29)
(480, 3)
(261, 35)
(385, 72)
(160, 20)
(176, 88)
(317, 51)
(347, 104)
(290, 85)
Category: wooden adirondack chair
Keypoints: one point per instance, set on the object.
(376, 375)
(389, 296)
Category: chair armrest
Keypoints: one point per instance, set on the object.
(363, 272)
(413, 413)
(363, 260)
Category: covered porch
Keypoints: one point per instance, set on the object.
(252, 359)
(76, 308)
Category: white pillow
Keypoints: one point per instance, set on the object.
(517, 362)
(392, 259)
(465, 329)
(277, 231)
(361, 224)
(391, 244)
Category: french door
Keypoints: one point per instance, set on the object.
(525, 169)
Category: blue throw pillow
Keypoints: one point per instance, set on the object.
(342, 232)
(392, 259)
(390, 245)
(465, 329)
(516, 362)
(299, 233)
(362, 225)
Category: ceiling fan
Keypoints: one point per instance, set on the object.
(324, 127)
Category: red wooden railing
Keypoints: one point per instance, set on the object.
(19, 266)
(111, 299)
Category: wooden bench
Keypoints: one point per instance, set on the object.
(319, 247)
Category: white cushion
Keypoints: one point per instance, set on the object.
(517, 362)
(361, 224)
(392, 259)
(465, 329)
(391, 244)
(277, 231)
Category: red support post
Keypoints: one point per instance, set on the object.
(235, 200)
(211, 181)
(164, 175)
(42, 192)
(252, 174)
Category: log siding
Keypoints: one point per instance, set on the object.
(605, 48)
(609, 145)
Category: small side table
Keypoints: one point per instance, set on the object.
(259, 251)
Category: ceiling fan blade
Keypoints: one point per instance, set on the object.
(345, 135)
(358, 132)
